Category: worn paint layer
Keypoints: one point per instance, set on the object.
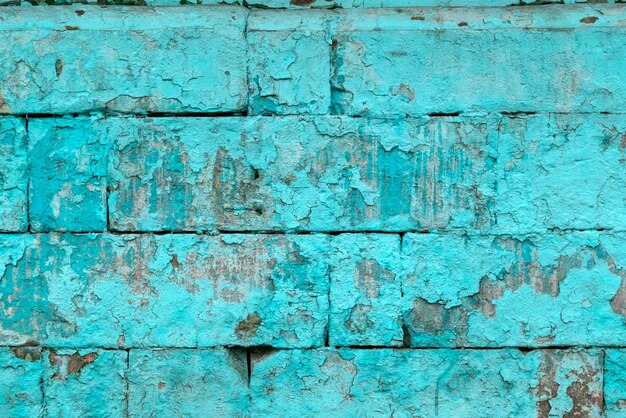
(363, 209)
(164, 291)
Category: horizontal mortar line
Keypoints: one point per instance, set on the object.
(139, 115)
(331, 233)
(245, 114)
(320, 348)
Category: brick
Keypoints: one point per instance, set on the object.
(290, 69)
(21, 295)
(85, 383)
(152, 60)
(410, 62)
(13, 176)
(615, 383)
(68, 171)
(320, 174)
(174, 382)
(561, 171)
(365, 290)
(386, 382)
(20, 382)
(170, 290)
(497, 291)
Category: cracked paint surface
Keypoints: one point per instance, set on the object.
(153, 60)
(73, 379)
(162, 291)
(302, 174)
(20, 378)
(186, 383)
(369, 210)
(67, 162)
(505, 291)
(364, 290)
(427, 383)
(13, 178)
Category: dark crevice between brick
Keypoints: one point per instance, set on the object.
(249, 364)
(443, 114)
(218, 232)
(603, 386)
(106, 113)
(259, 351)
(127, 382)
(108, 214)
(406, 336)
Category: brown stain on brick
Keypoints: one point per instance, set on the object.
(69, 365)
(162, 385)
(4, 106)
(435, 319)
(369, 275)
(462, 24)
(58, 67)
(175, 263)
(80, 12)
(249, 326)
(420, 18)
(589, 20)
(302, 2)
(29, 354)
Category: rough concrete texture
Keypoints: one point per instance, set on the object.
(361, 210)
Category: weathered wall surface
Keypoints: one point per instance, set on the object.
(358, 210)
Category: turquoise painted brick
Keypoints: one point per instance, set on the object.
(166, 291)
(427, 383)
(365, 290)
(188, 383)
(67, 164)
(615, 383)
(500, 291)
(13, 178)
(85, 383)
(20, 382)
(561, 171)
(492, 60)
(289, 70)
(320, 174)
(21, 296)
(151, 60)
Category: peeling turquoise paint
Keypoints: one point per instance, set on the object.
(369, 210)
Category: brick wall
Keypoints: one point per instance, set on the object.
(237, 211)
